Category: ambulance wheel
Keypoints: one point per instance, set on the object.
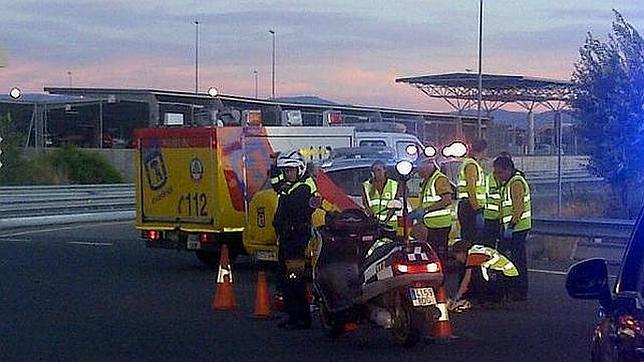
(404, 330)
(331, 325)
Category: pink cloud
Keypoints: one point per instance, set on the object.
(342, 81)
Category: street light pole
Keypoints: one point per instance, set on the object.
(196, 22)
(69, 75)
(480, 87)
(273, 69)
(256, 83)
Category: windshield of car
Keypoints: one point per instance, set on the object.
(350, 180)
(401, 150)
(372, 143)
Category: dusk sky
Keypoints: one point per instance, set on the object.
(345, 51)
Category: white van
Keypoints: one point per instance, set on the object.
(394, 140)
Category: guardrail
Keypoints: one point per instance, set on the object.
(25, 202)
(34, 201)
(589, 228)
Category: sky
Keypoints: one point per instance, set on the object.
(345, 51)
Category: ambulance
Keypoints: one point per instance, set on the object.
(198, 188)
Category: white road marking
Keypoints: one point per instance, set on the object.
(547, 271)
(88, 243)
(15, 240)
(552, 272)
(62, 228)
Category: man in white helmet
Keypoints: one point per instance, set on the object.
(292, 224)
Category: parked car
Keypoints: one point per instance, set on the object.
(619, 335)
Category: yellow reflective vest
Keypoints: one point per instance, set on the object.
(480, 181)
(495, 261)
(377, 202)
(525, 223)
(493, 198)
(440, 218)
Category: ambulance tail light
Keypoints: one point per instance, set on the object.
(207, 238)
(152, 234)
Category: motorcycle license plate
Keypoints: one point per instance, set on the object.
(421, 297)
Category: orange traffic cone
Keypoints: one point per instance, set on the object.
(442, 328)
(262, 298)
(224, 294)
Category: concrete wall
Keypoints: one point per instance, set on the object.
(121, 159)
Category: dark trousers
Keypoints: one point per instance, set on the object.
(467, 219)
(296, 304)
(483, 291)
(491, 233)
(515, 250)
(293, 286)
(438, 239)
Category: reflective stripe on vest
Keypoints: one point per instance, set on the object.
(440, 218)
(378, 204)
(277, 179)
(525, 223)
(480, 181)
(493, 202)
(496, 261)
(309, 182)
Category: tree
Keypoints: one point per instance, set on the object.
(12, 158)
(609, 101)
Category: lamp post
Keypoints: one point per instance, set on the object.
(196, 22)
(480, 77)
(69, 77)
(256, 83)
(273, 68)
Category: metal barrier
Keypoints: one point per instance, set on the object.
(589, 228)
(32, 201)
(41, 201)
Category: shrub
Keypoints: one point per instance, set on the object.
(84, 167)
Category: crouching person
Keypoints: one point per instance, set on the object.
(485, 278)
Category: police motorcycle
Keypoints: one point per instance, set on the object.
(365, 274)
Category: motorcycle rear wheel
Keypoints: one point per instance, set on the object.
(404, 330)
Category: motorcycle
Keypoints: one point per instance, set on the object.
(364, 273)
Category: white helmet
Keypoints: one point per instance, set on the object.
(292, 159)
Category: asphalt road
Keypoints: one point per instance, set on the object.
(95, 293)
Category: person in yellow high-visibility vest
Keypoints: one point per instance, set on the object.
(471, 193)
(377, 191)
(435, 207)
(487, 273)
(492, 210)
(516, 221)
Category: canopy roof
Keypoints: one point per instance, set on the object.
(461, 89)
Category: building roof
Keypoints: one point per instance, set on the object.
(100, 92)
(46, 99)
